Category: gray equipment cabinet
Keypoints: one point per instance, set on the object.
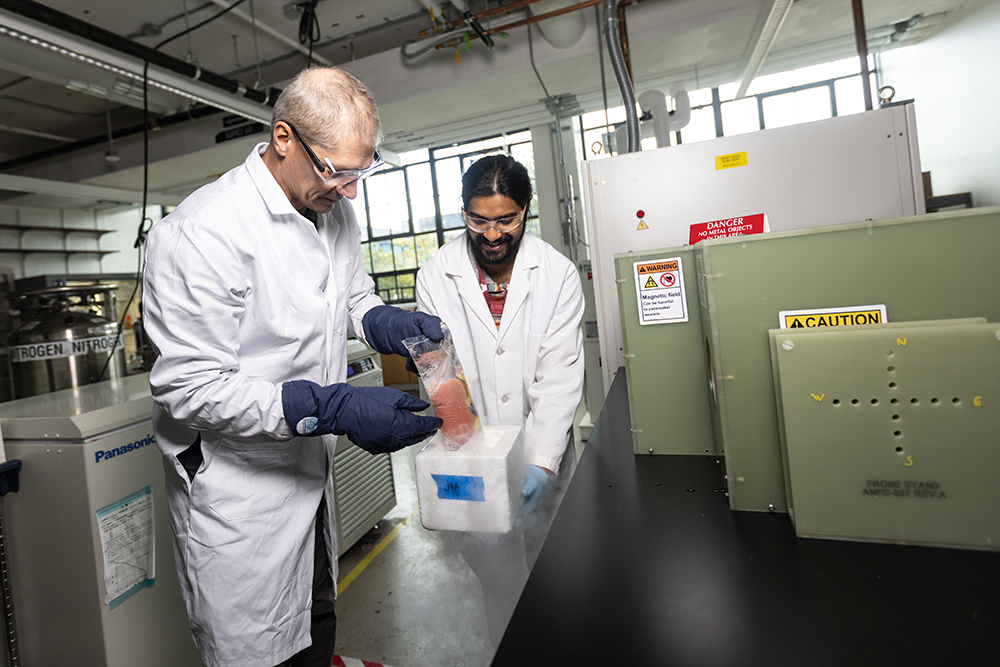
(88, 534)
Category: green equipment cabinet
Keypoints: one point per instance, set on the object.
(707, 386)
(889, 433)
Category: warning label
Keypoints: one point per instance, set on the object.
(659, 287)
(831, 317)
(731, 160)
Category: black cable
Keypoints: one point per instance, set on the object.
(143, 230)
(309, 26)
(195, 27)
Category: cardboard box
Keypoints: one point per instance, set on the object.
(476, 488)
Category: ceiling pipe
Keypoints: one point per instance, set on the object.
(42, 14)
(454, 42)
(862, 40)
(611, 33)
(623, 33)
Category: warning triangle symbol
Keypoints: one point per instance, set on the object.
(642, 225)
(649, 283)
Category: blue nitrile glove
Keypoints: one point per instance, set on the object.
(377, 419)
(535, 481)
(386, 327)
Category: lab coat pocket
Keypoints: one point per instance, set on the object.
(241, 482)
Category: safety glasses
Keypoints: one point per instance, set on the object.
(503, 225)
(326, 171)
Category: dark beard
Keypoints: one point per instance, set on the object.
(487, 258)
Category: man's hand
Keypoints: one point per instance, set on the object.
(386, 327)
(377, 419)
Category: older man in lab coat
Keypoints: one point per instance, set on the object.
(251, 287)
(514, 305)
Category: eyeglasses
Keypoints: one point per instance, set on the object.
(502, 225)
(330, 175)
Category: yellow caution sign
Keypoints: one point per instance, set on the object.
(731, 160)
(642, 225)
(831, 317)
(650, 283)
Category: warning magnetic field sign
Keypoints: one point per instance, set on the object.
(659, 290)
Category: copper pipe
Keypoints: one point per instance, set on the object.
(542, 17)
(490, 12)
(862, 41)
(623, 34)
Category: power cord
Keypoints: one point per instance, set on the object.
(143, 229)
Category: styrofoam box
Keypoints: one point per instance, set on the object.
(476, 488)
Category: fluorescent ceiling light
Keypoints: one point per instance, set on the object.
(262, 115)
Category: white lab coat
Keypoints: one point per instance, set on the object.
(529, 373)
(241, 294)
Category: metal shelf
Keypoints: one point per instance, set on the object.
(53, 251)
(63, 230)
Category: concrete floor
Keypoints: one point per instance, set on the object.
(416, 603)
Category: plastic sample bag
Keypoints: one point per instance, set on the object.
(443, 378)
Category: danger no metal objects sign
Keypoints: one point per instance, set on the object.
(659, 291)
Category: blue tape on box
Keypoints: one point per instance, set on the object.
(460, 487)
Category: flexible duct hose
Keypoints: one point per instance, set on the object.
(621, 73)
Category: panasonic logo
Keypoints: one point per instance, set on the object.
(124, 449)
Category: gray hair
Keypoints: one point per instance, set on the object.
(324, 104)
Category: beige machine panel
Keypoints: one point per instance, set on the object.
(939, 266)
(892, 432)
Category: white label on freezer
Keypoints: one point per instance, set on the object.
(126, 528)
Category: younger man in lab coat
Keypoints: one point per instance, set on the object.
(514, 306)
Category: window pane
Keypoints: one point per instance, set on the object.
(534, 226)
(427, 247)
(518, 137)
(449, 182)
(407, 294)
(845, 67)
(701, 127)
(850, 95)
(366, 258)
(700, 97)
(525, 154)
(359, 213)
(387, 288)
(387, 208)
(727, 91)
(454, 233)
(422, 197)
(406, 280)
(419, 179)
(813, 104)
(740, 117)
(382, 256)
(769, 82)
(404, 254)
(423, 214)
(779, 110)
(414, 156)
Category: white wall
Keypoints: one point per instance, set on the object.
(954, 78)
(72, 229)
